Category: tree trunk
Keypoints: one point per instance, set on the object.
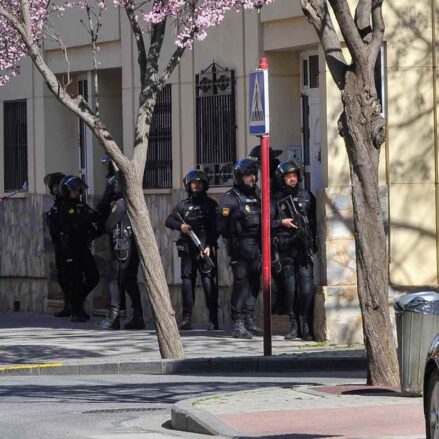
(363, 130)
(155, 280)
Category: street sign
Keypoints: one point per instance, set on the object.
(259, 114)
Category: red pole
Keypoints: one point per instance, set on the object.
(266, 239)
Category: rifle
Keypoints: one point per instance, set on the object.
(24, 188)
(199, 246)
(303, 228)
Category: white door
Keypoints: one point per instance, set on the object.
(311, 119)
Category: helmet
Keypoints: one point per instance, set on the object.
(53, 179)
(196, 175)
(71, 183)
(285, 168)
(255, 153)
(111, 169)
(244, 167)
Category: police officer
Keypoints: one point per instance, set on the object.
(255, 154)
(239, 222)
(196, 213)
(52, 181)
(293, 228)
(124, 256)
(73, 229)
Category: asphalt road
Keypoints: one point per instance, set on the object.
(119, 406)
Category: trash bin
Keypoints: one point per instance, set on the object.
(417, 323)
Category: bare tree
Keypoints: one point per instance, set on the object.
(363, 128)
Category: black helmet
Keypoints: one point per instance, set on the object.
(285, 168)
(255, 153)
(53, 179)
(196, 175)
(71, 183)
(244, 167)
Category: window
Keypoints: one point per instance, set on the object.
(216, 123)
(158, 169)
(15, 144)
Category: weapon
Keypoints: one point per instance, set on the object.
(198, 245)
(303, 231)
(24, 188)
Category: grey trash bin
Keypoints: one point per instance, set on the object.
(417, 323)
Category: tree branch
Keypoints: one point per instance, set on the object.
(362, 19)
(141, 50)
(348, 29)
(378, 31)
(318, 15)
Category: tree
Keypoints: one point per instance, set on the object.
(363, 129)
(23, 23)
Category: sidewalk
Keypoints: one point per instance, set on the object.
(43, 340)
(304, 412)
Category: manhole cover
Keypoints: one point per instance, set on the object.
(125, 410)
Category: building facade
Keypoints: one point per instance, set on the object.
(201, 122)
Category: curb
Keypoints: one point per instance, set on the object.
(184, 417)
(221, 365)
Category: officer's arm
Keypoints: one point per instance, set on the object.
(276, 220)
(173, 221)
(212, 229)
(52, 223)
(312, 214)
(104, 204)
(226, 211)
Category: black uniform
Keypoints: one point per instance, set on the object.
(295, 248)
(199, 212)
(72, 230)
(239, 222)
(124, 259)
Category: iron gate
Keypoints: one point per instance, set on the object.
(216, 123)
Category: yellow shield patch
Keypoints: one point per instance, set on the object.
(226, 211)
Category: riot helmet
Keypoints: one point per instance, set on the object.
(196, 176)
(52, 180)
(255, 153)
(285, 168)
(111, 169)
(71, 184)
(240, 169)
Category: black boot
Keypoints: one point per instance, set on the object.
(137, 321)
(112, 321)
(213, 321)
(239, 330)
(186, 323)
(79, 316)
(65, 312)
(250, 325)
(305, 329)
(294, 329)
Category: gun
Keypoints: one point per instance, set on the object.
(303, 228)
(199, 246)
(24, 188)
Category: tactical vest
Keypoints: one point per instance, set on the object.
(248, 224)
(196, 215)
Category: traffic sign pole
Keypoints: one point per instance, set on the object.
(266, 235)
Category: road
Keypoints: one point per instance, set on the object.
(120, 406)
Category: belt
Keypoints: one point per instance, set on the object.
(249, 241)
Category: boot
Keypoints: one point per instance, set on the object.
(250, 325)
(186, 323)
(65, 312)
(213, 321)
(79, 316)
(306, 332)
(239, 330)
(112, 321)
(137, 321)
(294, 329)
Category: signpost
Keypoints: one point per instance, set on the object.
(259, 125)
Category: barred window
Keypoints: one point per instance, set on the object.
(15, 144)
(216, 123)
(158, 168)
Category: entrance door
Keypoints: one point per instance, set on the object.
(311, 119)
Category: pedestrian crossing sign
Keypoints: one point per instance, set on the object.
(259, 116)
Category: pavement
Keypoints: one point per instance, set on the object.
(304, 411)
(40, 344)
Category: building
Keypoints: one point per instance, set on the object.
(201, 121)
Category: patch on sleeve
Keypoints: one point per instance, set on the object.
(226, 211)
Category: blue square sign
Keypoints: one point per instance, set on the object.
(259, 115)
